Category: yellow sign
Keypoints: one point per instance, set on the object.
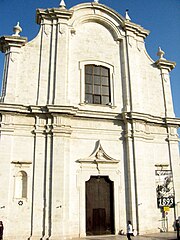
(166, 209)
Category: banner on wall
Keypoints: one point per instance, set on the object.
(164, 188)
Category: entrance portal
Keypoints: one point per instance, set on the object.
(99, 206)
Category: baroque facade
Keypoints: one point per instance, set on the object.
(88, 135)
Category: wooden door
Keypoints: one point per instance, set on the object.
(99, 206)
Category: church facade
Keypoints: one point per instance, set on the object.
(88, 134)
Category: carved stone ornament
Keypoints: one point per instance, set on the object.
(160, 53)
(62, 4)
(17, 29)
(98, 156)
(127, 17)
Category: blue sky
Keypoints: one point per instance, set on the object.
(161, 17)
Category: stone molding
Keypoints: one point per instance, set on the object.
(81, 111)
(51, 14)
(99, 156)
(11, 41)
(165, 64)
(135, 29)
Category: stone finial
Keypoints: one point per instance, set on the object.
(160, 53)
(17, 29)
(127, 17)
(62, 4)
(97, 1)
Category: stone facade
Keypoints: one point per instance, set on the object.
(56, 147)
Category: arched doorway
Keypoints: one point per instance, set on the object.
(99, 206)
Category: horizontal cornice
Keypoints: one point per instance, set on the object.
(165, 64)
(11, 41)
(135, 116)
(8, 108)
(74, 111)
(52, 13)
(135, 28)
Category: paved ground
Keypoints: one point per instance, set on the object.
(161, 236)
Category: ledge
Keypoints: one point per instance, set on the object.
(11, 41)
(162, 63)
(52, 13)
(135, 28)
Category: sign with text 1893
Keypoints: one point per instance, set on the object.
(164, 188)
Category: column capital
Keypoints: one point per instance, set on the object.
(7, 42)
(164, 64)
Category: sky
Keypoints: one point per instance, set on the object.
(161, 17)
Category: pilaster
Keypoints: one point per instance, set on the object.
(11, 46)
(56, 20)
(165, 67)
(61, 191)
(130, 169)
(38, 207)
(6, 147)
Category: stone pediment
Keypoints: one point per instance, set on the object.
(98, 156)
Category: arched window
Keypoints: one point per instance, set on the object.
(21, 185)
(97, 84)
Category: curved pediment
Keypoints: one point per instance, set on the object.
(101, 14)
(98, 156)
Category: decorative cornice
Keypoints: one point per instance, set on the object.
(52, 13)
(87, 113)
(162, 63)
(135, 28)
(172, 121)
(8, 108)
(11, 41)
(135, 116)
(101, 7)
(71, 110)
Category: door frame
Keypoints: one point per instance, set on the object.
(88, 170)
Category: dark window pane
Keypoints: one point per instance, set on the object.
(88, 88)
(105, 90)
(104, 71)
(105, 81)
(105, 100)
(89, 98)
(89, 69)
(97, 70)
(97, 89)
(97, 99)
(88, 79)
(97, 80)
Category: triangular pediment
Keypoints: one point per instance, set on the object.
(98, 156)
